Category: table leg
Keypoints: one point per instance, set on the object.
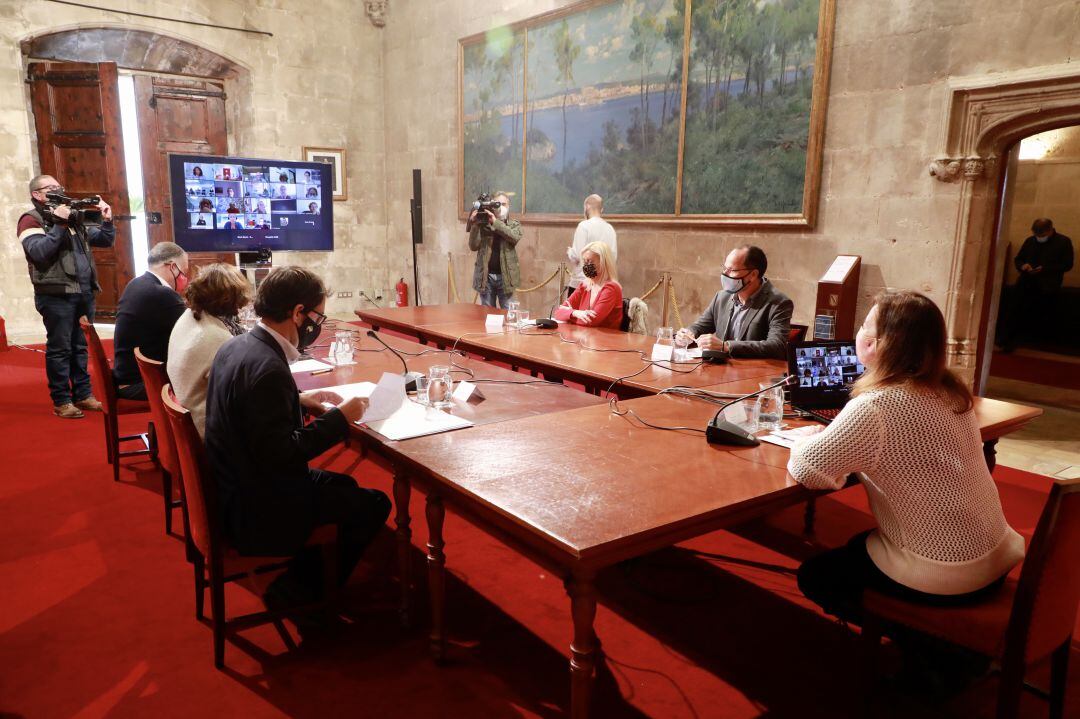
(402, 492)
(990, 452)
(583, 649)
(436, 561)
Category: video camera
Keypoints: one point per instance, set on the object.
(83, 211)
(485, 202)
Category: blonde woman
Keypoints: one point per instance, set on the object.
(597, 302)
(214, 299)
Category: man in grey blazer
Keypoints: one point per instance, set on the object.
(748, 317)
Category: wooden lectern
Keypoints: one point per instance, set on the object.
(837, 295)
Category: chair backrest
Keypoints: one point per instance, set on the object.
(624, 323)
(1044, 611)
(100, 369)
(154, 378)
(797, 333)
(200, 496)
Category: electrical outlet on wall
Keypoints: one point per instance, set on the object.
(344, 294)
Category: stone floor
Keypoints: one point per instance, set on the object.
(1050, 445)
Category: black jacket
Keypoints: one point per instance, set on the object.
(1055, 257)
(144, 319)
(258, 447)
(50, 253)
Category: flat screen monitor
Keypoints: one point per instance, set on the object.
(243, 204)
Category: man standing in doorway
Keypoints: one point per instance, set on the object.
(593, 228)
(497, 273)
(1042, 261)
(64, 276)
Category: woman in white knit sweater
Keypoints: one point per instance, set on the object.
(214, 299)
(910, 435)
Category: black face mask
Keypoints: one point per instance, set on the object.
(308, 333)
(589, 270)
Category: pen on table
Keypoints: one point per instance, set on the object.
(322, 371)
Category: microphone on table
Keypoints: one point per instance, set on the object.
(720, 431)
(410, 377)
(548, 323)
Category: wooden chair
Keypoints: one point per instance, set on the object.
(1029, 619)
(154, 377)
(216, 562)
(797, 333)
(112, 406)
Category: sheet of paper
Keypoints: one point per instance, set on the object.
(386, 398)
(774, 439)
(662, 353)
(839, 268)
(348, 391)
(308, 365)
(416, 420)
(494, 323)
(463, 391)
(736, 413)
(689, 353)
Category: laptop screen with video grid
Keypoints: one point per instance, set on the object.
(825, 369)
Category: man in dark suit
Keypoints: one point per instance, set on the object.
(148, 309)
(258, 446)
(748, 317)
(1042, 261)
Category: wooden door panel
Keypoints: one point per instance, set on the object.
(177, 116)
(80, 143)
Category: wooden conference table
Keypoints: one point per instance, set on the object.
(516, 480)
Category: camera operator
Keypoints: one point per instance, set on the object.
(494, 240)
(62, 270)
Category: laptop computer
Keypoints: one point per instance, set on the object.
(825, 369)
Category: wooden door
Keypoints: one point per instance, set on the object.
(77, 114)
(182, 116)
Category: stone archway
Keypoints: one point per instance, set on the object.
(984, 117)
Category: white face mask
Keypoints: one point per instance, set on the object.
(504, 213)
(1042, 238)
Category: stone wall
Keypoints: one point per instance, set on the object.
(318, 81)
(890, 69)
(1046, 186)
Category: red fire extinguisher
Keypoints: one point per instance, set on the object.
(402, 291)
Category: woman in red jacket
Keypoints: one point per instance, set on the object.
(597, 302)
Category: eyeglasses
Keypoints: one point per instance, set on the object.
(319, 319)
(730, 270)
(50, 188)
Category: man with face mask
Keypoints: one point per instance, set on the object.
(593, 228)
(748, 317)
(148, 309)
(64, 276)
(497, 273)
(258, 446)
(1042, 261)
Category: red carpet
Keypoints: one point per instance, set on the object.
(97, 620)
(1040, 370)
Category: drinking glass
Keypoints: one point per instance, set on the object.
(440, 389)
(247, 317)
(770, 407)
(511, 316)
(523, 318)
(665, 336)
(343, 348)
(422, 389)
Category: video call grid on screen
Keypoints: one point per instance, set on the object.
(828, 367)
(235, 205)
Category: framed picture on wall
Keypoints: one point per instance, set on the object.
(335, 157)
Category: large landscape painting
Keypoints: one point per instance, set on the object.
(591, 99)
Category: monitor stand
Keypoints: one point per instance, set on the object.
(255, 265)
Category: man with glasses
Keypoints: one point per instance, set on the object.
(148, 309)
(258, 446)
(64, 276)
(497, 273)
(748, 317)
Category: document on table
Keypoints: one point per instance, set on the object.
(385, 398)
(416, 420)
(788, 437)
(348, 391)
(308, 365)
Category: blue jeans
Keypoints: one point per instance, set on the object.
(494, 292)
(65, 345)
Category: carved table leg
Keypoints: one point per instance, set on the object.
(583, 649)
(990, 452)
(402, 491)
(436, 575)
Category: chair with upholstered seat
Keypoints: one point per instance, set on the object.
(112, 406)
(154, 378)
(215, 561)
(1029, 619)
(797, 333)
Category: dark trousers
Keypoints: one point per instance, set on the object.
(131, 391)
(1030, 315)
(359, 514)
(65, 344)
(835, 581)
(494, 293)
